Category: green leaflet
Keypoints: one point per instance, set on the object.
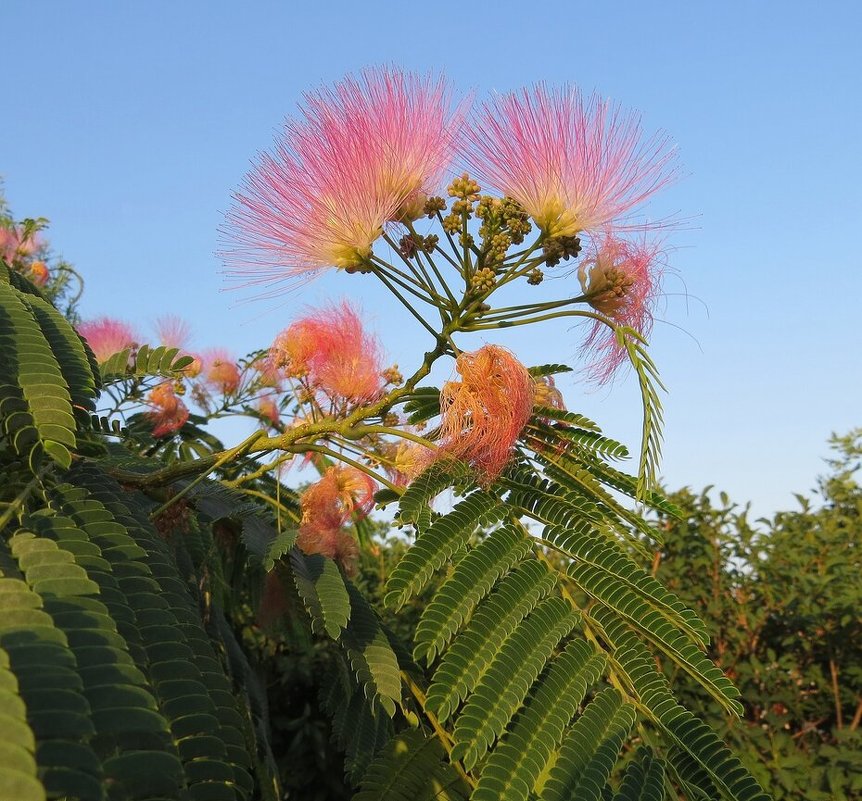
(515, 764)
(563, 416)
(438, 543)
(411, 767)
(370, 652)
(653, 415)
(71, 354)
(657, 614)
(470, 581)
(607, 573)
(361, 727)
(18, 777)
(147, 361)
(147, 667)
(469, 656)
(321, 586)
(424, 488)
(572, 475)
(689, 734)
(548, 369)
(423, 404)
(339, 609)
(590, 749)
(643, 779)
(585, 440)
(35, 405)
(505, 684)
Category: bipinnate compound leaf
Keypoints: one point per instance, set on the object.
(412, 767)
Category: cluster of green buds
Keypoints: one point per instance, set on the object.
(504, 223)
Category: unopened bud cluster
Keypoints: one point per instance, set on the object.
(559, 248)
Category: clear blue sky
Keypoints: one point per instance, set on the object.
(129, 124)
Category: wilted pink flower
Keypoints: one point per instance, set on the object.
(365, 153)
(335, 354)
(169, 412)
(327, 505)
(14, 245)
(220, 371)
(107, 336)
(38, 272)
(485, 412)
(546, 394)
(574, 164)
(620, 280)
(267, 407)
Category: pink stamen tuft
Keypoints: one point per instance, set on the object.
(485, 412)
(107, 336)
(342, 493)
(173, 332)
(574, 164)
(331, 350)
(621, 280)
(169, 412)
(220, 371)
(365, 153)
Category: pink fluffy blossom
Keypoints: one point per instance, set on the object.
(173, 331)
(621, 280)
(365, 152)
(341, 494)
(485, 412)
(39, 273)
(220, 371)
(14, 245)
(575, 164)
(169, 412)
(267, 407)
(107, 336)
(333, 352)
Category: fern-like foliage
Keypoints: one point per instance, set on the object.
(114, 682)
(643, 779)
(411, 768)
(144, 362)
(44, 376)
(531, 623)
(438, 543)
(121, 677)
(653, 415)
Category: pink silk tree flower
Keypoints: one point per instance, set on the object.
(335, 354)
(169, 412)
(38, 273)
(483, 414)
(14, 245)
(342, 493)
(546, 394)
(621, 280)
(173, 332)
(574, 164)
(364, 153)
(220, 371)
(267, 408)
(107, 336)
